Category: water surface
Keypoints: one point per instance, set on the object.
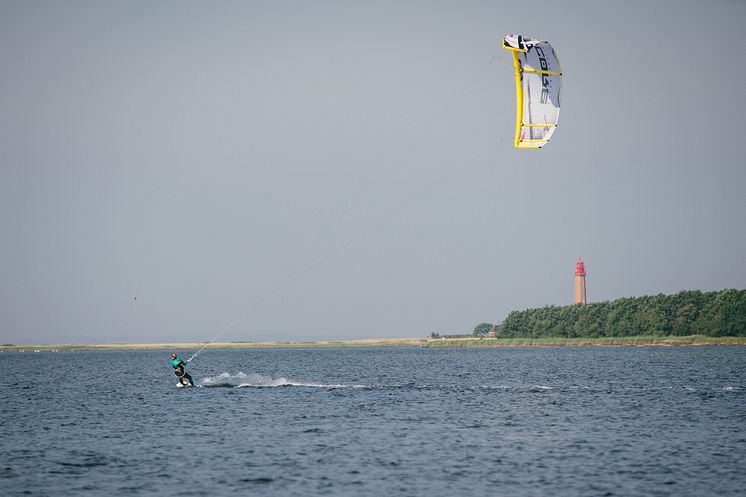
(376, 421)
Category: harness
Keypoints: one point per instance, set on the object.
(179, 371)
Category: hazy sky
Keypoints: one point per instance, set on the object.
(347, 169)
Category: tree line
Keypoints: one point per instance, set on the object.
(715, 314)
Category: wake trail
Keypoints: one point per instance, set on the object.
(243, 380)
(255, 380)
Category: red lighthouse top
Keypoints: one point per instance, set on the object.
(580, 268)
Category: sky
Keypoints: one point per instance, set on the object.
(345, 169)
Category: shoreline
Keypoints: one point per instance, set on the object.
(364, 342)
(640, 341)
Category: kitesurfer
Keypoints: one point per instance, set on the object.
(178, 364)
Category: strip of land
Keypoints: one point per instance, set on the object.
(639, 341)
(382, 342)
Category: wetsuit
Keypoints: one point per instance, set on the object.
(178, 365)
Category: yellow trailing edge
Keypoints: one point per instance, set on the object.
(545, 125)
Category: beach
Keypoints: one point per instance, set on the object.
(639, 341)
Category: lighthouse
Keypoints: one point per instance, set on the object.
(580, 295)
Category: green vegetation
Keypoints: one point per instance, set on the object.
(586, 342)
(483, 329)
(711, 314)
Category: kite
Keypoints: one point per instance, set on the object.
(538, 83)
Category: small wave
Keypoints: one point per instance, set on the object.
(258, 480)
(732, 389)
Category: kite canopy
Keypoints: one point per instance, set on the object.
(538, 83)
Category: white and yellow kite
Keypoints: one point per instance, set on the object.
(538, 83)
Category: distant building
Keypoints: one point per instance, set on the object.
(580, 293)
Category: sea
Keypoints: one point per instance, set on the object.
(379, 421)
